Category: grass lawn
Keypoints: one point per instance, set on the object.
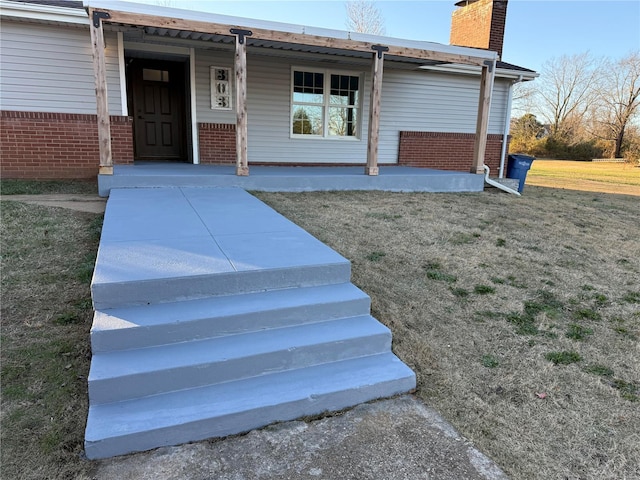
(30, 187)
(520, 316)
(622, 178)
(47, 262)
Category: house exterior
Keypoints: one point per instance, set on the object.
(87, 86)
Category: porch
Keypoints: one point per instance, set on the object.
(289, 179)
(308, 90)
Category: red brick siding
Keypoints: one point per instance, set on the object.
(217, 143)
(40, 145)
(498, 21)
(480, 25)
(446, 151)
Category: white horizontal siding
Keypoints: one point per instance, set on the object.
(433, 102)
(411, 100)
(49, 68)
(268, 111)
(268, 101)
(204, 60)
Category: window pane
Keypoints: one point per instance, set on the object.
(308, 79)
(153, 75)
(344, 90)
(343, 122)
(307, 120)
(338, 99)
(308, 82)
(307, 98)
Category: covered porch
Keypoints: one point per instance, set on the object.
(168, 29)
(289, 179)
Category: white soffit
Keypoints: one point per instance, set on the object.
(43, 13)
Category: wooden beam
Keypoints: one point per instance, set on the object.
(242, 162)
(482, 124)
(100, 74)
(374, 112)
(140, 19)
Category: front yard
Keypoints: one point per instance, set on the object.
(520, 316)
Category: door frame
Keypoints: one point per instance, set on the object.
(164, 52)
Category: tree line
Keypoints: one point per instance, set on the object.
(580, 108)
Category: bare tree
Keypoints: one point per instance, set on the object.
(618, 99)
(524, 98)
(364, 17)
(564, 91)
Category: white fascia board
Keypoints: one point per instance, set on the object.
(46, 13)
(249, 23)
(476, 70)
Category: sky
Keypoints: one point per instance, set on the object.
(536, 30)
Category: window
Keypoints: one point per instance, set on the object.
(153, 75)
(325, 104)
(220, 88)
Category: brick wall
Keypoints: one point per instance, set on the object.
(446, 151)
(480, 25)
(498, 21)
(40, 145)
(217, 143)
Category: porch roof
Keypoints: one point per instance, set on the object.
(191, 25)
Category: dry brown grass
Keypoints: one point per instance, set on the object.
(430, 262)
(552, 259)
(47, 260)
(604, 177)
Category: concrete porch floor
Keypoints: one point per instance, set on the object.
(289, 179)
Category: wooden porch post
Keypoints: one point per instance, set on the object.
(242, 162)
(99, 70)
(482, 124)
(374, 109)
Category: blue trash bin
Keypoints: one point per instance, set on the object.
(517, 168)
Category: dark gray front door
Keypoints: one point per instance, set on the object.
(158, 109)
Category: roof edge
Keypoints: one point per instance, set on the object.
(519, 74)
(145, 9)
(40, 12)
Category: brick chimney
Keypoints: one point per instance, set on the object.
(479, 24)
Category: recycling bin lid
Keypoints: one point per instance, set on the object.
(518, 159)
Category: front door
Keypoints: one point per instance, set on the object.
(158, 89)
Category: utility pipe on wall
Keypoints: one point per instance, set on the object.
(507, 125)
(504, 188)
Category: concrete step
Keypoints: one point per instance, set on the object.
(128, 374)
(166, 245)
(159, 324)
(234, 407)
(185, 287)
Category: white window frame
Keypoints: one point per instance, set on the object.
(326, 104)
(214, 84)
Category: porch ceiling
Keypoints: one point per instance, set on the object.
(199, 26)
(208, 38)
